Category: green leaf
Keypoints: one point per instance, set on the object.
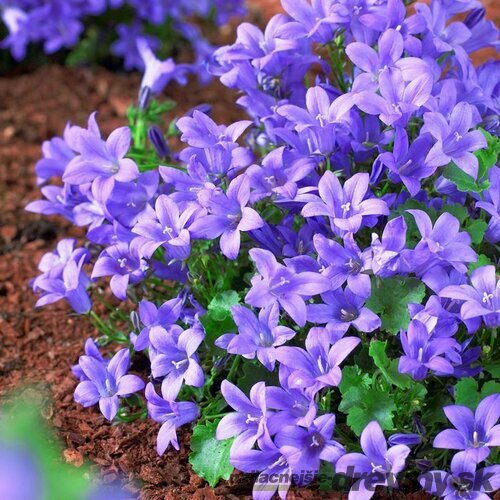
(253, 372)
(468, 394)
(390, 298)
(487, 157)
(220, 306)
(387, 366)
(218, 319)
(476, 229)
(352, 376)
(210, 457)
(458, 211)
(482, 260)
(463, 181)
(364, 405)
(493, 369)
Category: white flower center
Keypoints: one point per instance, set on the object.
(346, 207)
(420, 354)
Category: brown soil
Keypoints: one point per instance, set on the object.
(38, 347)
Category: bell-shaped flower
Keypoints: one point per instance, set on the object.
(345, 206)
(280, 284)
(377, 465)
(106, 383)
(475, 432)
(171, 415)
(176, 359)
(256, 336)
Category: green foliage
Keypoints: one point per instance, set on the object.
(218, 319)
(476, 228)
(363, 405)
(389, 368)
(220, 306)
(210, 457)
(390, 298)
(253, 372)
(362, 402)
(482, 260)
(463, 181)
(487, 157)
(467, 392)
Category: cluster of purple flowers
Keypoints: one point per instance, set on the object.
(333, 191)
(59, 24)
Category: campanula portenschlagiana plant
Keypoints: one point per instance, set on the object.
(316, 280)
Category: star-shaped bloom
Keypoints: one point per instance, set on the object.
(346, 206)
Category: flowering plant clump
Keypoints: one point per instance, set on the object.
(130, 26)
(313, 288)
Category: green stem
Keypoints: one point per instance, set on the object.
(234, 367)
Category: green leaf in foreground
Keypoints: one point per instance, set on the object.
(210, 457)
(463, 181)
(468, 394)
(476, 228)
(390, 298)
(218, 319)
(220, 306)
(388, 367)
(363, 405)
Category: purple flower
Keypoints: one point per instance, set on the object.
(171, 415)
(390, 51)
(398, 99)
(128, 202)
(474, 433)
(388, 252)
(176, 359)
(101, 159)
(409, 164)
(343, 308)
(256, 336)
(200, 131)
(343, 263)
(454, 141)
(157, 73)
(464, 481)
(491, 205)
(317, 367)
(124, 264)
(294, 405)
(92, 350)
(53, 263)
(346, 207)
(249, 422)
(379, 463)
(279, 284)
(407, 439)
(154, 319)
(422, 353)
(273, 464)
(312, 20)
(305, 448)
(106, 384)
(167, 228)
(442, 243)
(56, 155)
(70, 285)
(482, 298)
(228, 215)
